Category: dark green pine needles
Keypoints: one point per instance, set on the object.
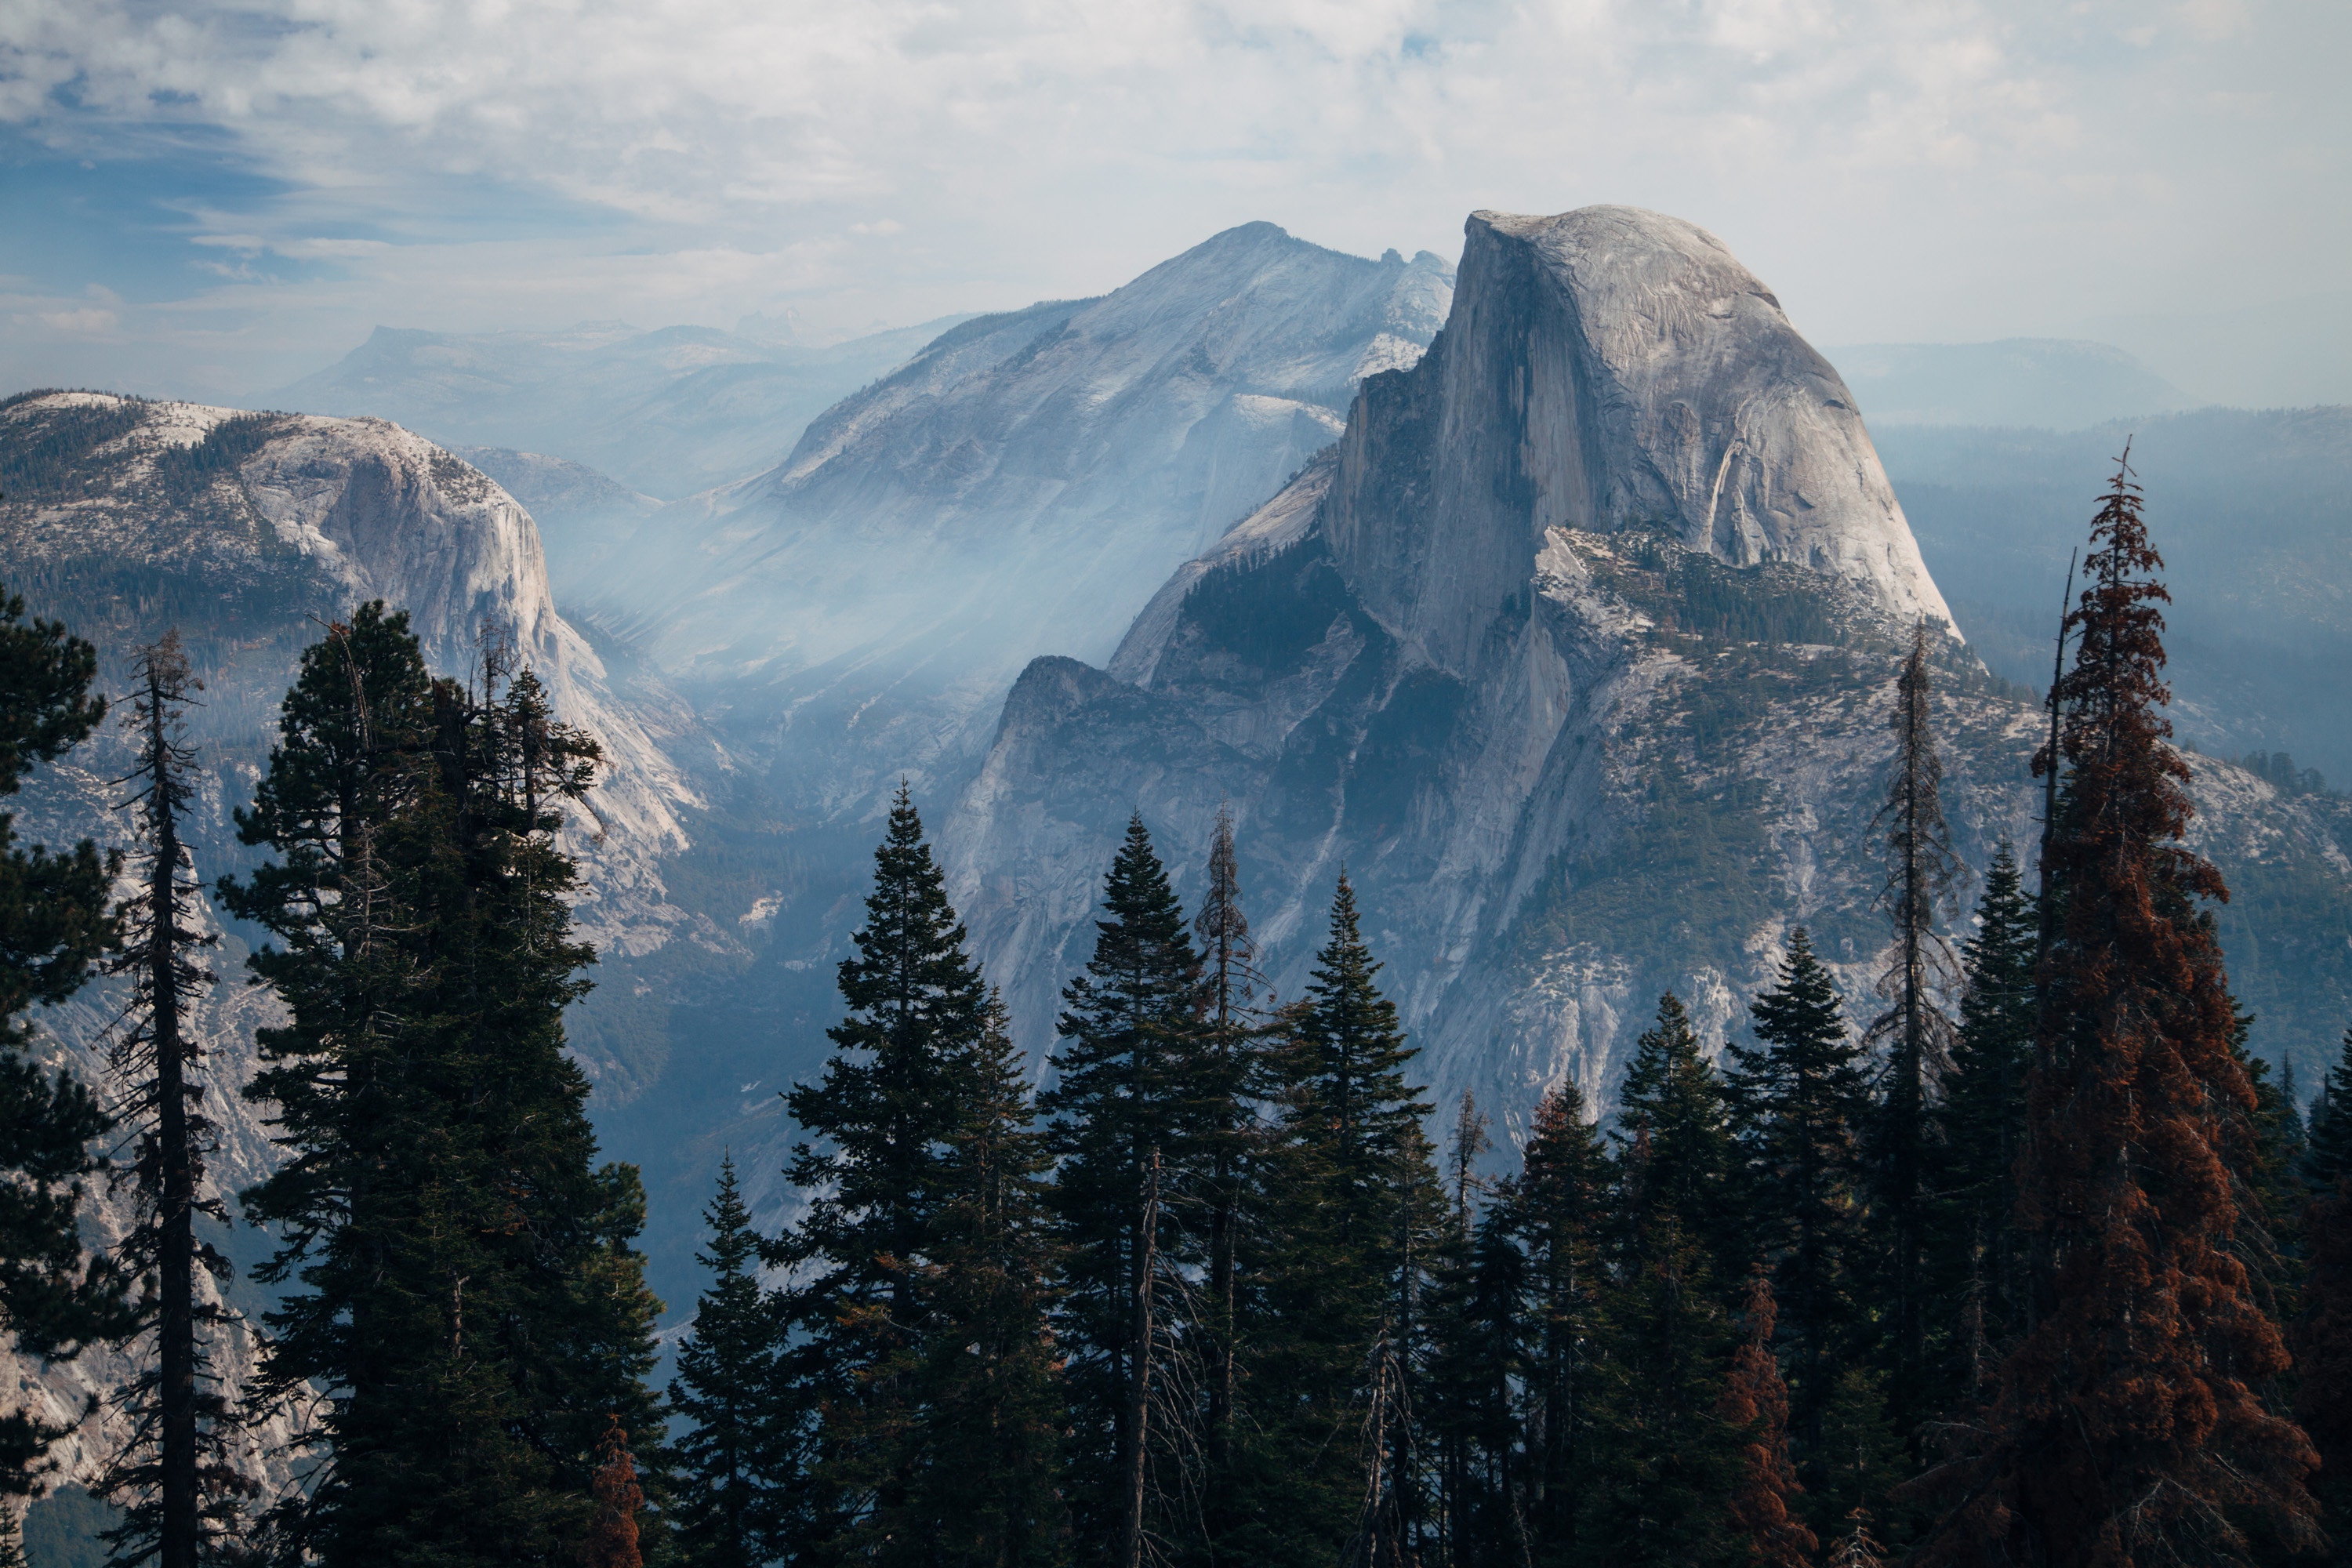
(1804, 1102)
(1135, 1116)
(917, 1310)
(1557, 1214)
(1348, 1204)
(1662, 1483)
(455, 1264)
(1976, 1274)
(53, 927)
(735, 1459)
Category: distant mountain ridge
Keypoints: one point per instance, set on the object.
(1020, 486)
(2253, 510)
(670, 412)
(2049, 382)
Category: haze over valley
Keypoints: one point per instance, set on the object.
(768, 656)
(1510, 504)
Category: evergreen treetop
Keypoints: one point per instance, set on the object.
(735, 1457)
(1138, 1118)
(1977, 1268)
(1347, 1061)
(1672, 1104)
(1804, 1101)
(917, 1304)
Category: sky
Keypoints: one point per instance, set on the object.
(213, 199)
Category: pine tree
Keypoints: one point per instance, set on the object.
(465, 1288)
(1804, 1102)
(989, 1386)
(1674, 1098)
(1229, 984)
(1345, 1194)
(1477, 1412)
(2129, 1425)
(1558, 1212)
(54, 928)
(914, 1094)
(1471, 1329)
(1921, 872)
(1756, 1403)
(735, 1462)
(1976, 1272)
(1664, 1463)
(173, 1472)
(1137, 1120)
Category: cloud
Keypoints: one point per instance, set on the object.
(1932, 168)
(88, 321)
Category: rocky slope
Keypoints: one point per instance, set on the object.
(123, 518)
(1020, 487)
(1578, 656)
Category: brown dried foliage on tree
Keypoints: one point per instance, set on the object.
(2129, 1426)
(1757, 1401)
(613, 1534)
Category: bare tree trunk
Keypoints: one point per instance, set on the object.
(2041, 1259)
(175, 1216)
(1138, 1399)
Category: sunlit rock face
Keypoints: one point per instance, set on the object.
(1577, 656)
(1020, 487)
(284, 523)
(1605, 368)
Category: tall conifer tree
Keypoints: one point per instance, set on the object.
(1804, 1101)
(1668, 1464)
(1470, 1325)
(735, 1461)
(1346, 1190)
(917, 1310)
(990, 1386)
(173, 1471)
(1558, 1212)
(467, 1311)
(1755, 1403)
(1976, 1272)
(2130, 1424)
(1915, 1035)
(54, 928)
(1229, 980)
(1136, 1119)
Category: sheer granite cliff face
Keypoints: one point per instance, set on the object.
(1577, 656)
(1604, 368)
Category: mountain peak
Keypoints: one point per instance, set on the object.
(1604, 369)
